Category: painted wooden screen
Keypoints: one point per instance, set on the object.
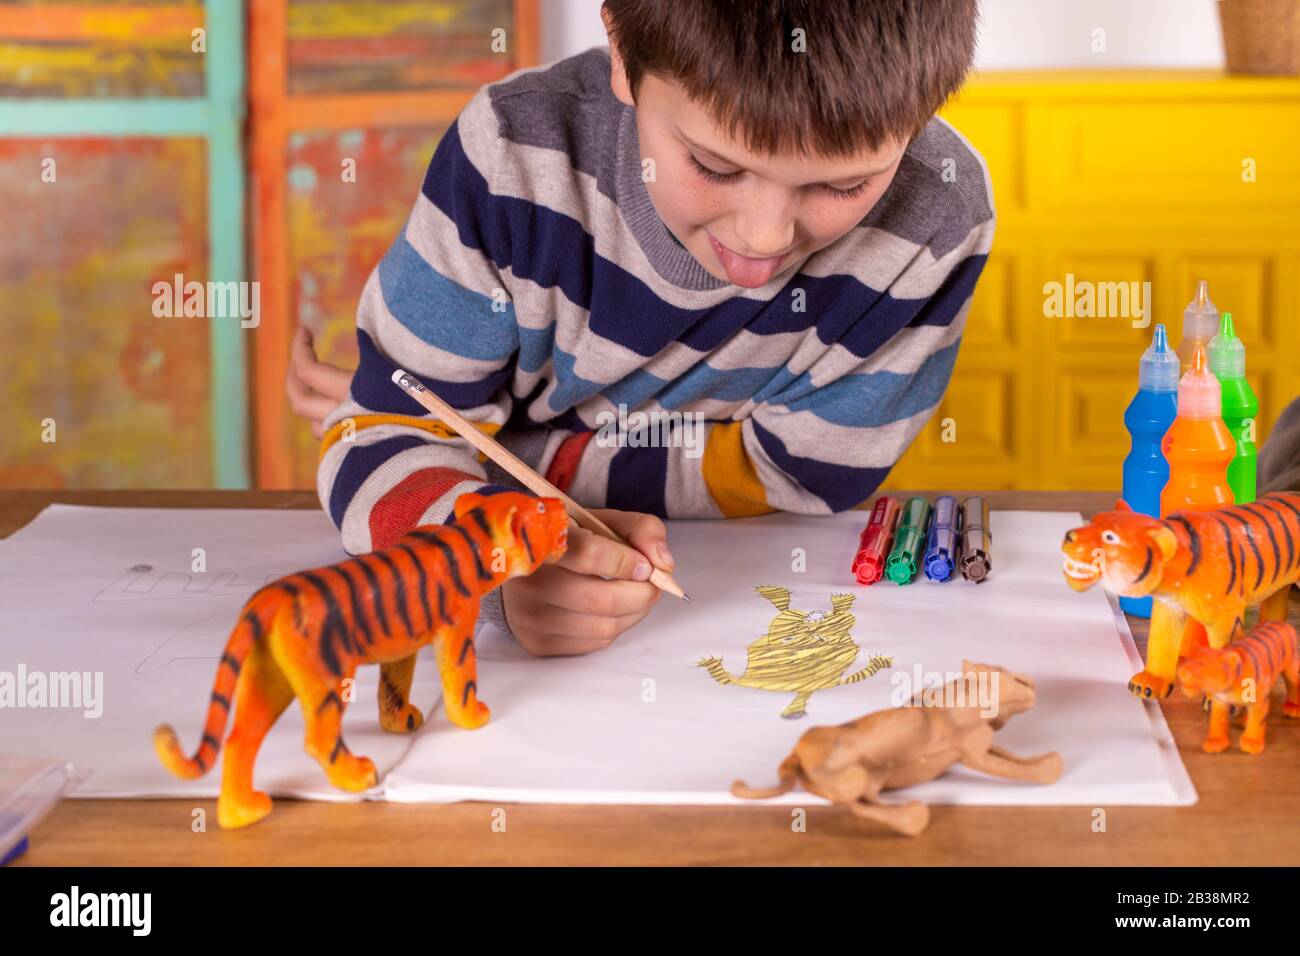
(120, 167)
(348, 101)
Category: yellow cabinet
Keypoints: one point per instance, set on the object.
(1113, 178)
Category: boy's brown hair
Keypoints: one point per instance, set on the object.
(871, 70)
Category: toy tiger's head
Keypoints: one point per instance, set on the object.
(1207, 672)
(1123, 549)
(528, 531)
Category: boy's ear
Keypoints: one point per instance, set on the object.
(466, 503)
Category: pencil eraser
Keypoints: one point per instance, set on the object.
(398, 375)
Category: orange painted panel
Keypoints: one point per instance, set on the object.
(127, 392)
(89, 49)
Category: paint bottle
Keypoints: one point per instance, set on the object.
(1147, 418)
(1200, 322)
(1198, 446)
(1240, 406)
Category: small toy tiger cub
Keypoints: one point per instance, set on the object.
(304, 635)
(1252, 664)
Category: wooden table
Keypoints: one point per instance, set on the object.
(1247, 814)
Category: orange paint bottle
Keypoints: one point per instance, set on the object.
(1198, 445)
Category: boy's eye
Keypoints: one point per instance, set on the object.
(853, 192)
(712, 175)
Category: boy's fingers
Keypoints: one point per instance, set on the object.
(590, 553)
(644, 532)
(571, 632)
(582, 593)
(322, 377)
(307, 403)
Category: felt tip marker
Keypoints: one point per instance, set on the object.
(941, 542)
(873, 547)
(909, 541)
(976, 542)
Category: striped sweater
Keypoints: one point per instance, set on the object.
(535, 289)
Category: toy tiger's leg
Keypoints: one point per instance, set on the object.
(798, 707)
(1252, 738)
(1196, 636)
(458, 665)
(1164, 641)
(261, 697)
(1292, 677)
(397, 714)
(1216, 740)
(1275, 606)
(322, 709)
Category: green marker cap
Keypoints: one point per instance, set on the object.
(909, 541)
(1227, 352)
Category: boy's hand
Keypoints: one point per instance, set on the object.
(315, 388)
(569, 607)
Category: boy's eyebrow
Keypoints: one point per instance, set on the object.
(731, 162)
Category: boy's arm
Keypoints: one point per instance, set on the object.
(437, 306)
(826, 440)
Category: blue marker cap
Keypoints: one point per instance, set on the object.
(941, 544)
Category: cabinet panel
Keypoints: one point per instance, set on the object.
(991, 322)
(1127, 153)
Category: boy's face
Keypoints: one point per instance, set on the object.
(744, 216)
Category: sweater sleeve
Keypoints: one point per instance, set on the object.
(438, 306)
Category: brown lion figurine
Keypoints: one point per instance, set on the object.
(903, 746)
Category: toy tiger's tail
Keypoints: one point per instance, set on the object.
(251, 626)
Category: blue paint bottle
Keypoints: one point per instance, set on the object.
(1148, 417)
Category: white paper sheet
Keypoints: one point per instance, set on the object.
(112, 591)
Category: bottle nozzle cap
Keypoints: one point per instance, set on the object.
(1158, 371)
(1199, 393)
(1227, 352)
(1200, 319)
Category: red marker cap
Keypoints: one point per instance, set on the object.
(877, 538)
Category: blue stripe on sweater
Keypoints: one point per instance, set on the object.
(875, 398)
(360, 462)
(443, 313)
(526, 237)
(638, 481)
(840, 486)
(373, 388)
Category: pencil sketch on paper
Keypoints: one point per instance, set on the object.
(801, 653)
(204, 637)
(144, 582)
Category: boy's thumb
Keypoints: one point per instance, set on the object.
(645, 533)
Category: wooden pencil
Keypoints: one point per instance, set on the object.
(525, 475)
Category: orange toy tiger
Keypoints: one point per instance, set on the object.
(1202, 567)
(304, 635)
(1244, 673)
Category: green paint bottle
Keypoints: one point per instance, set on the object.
(1240, 407)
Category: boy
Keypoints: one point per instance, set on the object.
(742, 220)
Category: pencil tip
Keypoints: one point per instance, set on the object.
(686, 597)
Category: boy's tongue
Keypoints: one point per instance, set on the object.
(742, 270)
